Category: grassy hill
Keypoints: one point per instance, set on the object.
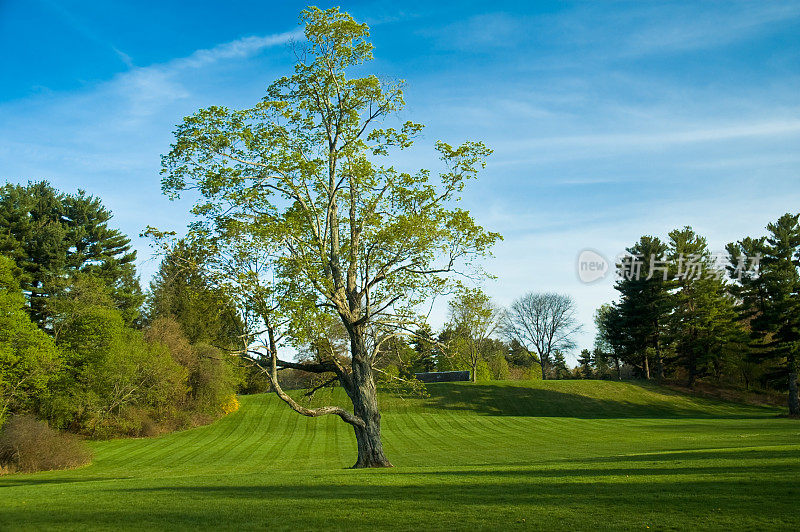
(557, 454)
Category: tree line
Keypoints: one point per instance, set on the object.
(684, 314)
(82, 346)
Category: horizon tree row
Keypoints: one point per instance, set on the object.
(683, 315)
(82, 346)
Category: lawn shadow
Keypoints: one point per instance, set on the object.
(515, 400)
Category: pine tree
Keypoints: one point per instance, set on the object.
(182, 290)
(703, 323)
(770, 298)
(423, 343)
(52, 237)
(560, 369)
(644, 305)
(611, 339)
(585, 362)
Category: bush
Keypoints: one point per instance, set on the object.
(27, 445)
(499, 368)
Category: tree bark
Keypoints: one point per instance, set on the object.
(647, 367)
(659, 363)
(364, 396)
(794, 398)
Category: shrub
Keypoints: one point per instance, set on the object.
(27, 445)
(231, 405)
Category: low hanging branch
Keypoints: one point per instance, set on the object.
(272, 374)
(301, 187)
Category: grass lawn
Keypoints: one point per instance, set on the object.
(557, 454)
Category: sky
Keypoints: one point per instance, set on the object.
(608, 120)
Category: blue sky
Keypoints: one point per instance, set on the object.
(609, 120)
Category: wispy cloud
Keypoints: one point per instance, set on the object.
(107, 137)
(666, 28)
(240, 48)
(641, 140)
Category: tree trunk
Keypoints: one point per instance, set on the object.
(544, 369)
(364, 396)
(619, 369)
(474, 376)
(794, 398)
(692, 363)
(659, 363)
(647, 367)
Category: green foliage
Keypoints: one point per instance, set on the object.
(52, 236)
(473, 319)
(423, 343)
(110, 368)
(560, 369)
(303, 215)
(182, 290)
(703, 327)
(770, 300)
(585, 364)
(638, 320)
(29, 358)
(498, 366)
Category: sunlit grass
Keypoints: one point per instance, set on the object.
(561, 454)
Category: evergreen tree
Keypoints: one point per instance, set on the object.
(52, 236)
(703, 323)
(560, 369)
(601, 363)
(644, 304)
(181, 289)
(423, 343)
(585, 363)
(770, 298)
(612, 338)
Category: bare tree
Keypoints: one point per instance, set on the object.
(544, 323)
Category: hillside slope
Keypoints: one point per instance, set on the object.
(564, 454)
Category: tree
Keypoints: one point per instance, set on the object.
(423, 343)
(702, 320)
(180, 290)
(612, 338)
(474, 319)
(769, 297)
(560, 369)
(52, 236)
(601, 365)
(644, 303)
(298, 178)
(585, 363)
(29, 358)
(544, 323)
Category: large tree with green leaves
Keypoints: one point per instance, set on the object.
(53, 236)
(298, 181)
(29, 359)
(644, 304)
(473, 320)
(702, 323)
(769, 297)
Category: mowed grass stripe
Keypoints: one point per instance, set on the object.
(560, 455)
